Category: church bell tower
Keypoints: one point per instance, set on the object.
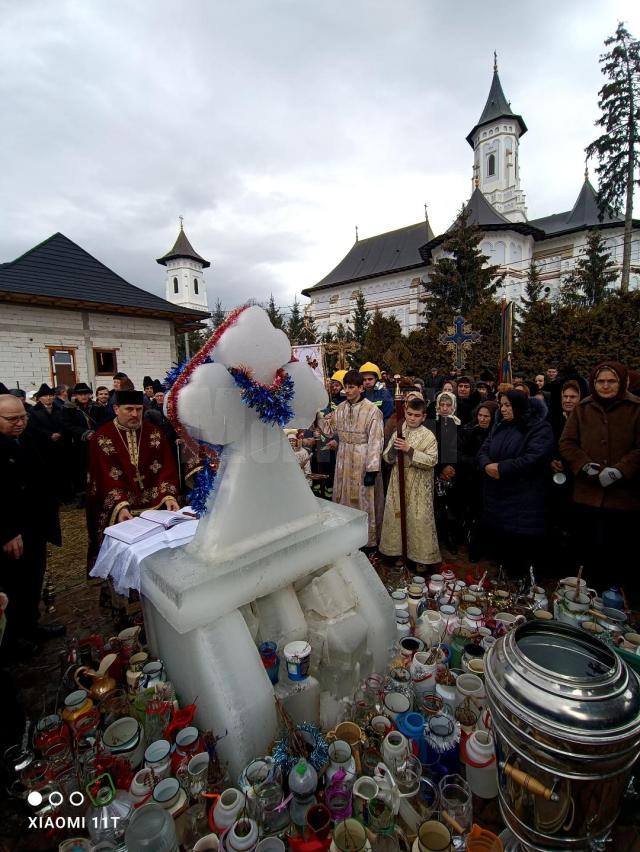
(185, 284)
(495, 141)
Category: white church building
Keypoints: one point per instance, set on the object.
(392, 268)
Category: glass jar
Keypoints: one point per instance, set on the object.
(273, 818)
(58, 755)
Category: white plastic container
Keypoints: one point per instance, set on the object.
(423, 674)
(480, 759)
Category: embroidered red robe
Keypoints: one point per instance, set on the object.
(128, 468)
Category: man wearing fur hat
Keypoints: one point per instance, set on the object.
(131, 468)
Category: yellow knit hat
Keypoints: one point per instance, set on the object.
(370, 368)
(338, 376)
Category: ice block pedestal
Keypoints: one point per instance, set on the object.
(310, 569)
(264, 544)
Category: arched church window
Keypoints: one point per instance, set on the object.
(491, 165)
(195, 286)
(175, 285)
(499, 251)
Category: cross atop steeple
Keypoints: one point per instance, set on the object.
(181, 218)
(495, 62)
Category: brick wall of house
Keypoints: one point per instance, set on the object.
(143, 346)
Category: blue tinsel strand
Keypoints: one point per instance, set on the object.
(318, 758)
(272, 406)
(202, 485)
(173, 374)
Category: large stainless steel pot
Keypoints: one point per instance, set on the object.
(566, 715)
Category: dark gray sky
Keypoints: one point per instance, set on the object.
(275, 126)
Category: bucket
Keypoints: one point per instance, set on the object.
(297, 656)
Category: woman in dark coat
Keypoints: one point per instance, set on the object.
(601, 445)
(470, 477)
(515, 460)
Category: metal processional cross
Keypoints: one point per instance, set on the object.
(341, 348)
(460, 339)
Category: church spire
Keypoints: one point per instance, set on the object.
(496, 107)
(495, 140)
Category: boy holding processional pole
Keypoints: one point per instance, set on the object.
(408, 513)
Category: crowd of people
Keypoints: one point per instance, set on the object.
(115, 454)
(541, 472)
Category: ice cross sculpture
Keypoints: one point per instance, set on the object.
(260, 492)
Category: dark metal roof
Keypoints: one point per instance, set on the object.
(60, 272)
(497, 106)
(182, 248)
(482, 213)
(584, 215)
(383, 254)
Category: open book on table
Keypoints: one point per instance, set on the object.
(150, 523)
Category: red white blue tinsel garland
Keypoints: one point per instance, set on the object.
(271, 402)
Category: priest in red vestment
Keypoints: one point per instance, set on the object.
(131, 468)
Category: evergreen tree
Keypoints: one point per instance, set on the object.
(274, 314)
(427, 351)
(197, 339)
(462, 281)
(360, 318)
(588, 282)
(618, 148)
(383, 333)
(295, 326)
(533, 288)
(309, 333)
(218, 315)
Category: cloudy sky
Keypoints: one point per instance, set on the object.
(275, 126)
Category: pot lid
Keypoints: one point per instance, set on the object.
(555, 676)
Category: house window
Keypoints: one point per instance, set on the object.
(63, 365)
(195, 286)
(105, 362)
(175, 285)
(491, 165)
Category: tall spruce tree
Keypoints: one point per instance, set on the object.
(532, 288)
(462, 281)
(618, 147)
(274, 314)
(218, 316)
(588, 282)
(360, 319)
(295, 325)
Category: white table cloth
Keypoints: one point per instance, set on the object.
(120, 562)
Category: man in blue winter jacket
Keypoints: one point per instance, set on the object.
(379, 396)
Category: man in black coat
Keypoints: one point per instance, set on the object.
(45, 421)
(80, 419)
(28, 520)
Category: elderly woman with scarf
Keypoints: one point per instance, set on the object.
(515, 459)
(601, 445)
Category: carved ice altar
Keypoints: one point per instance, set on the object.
(269, 560)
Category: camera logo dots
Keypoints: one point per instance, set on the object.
(55, 799)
